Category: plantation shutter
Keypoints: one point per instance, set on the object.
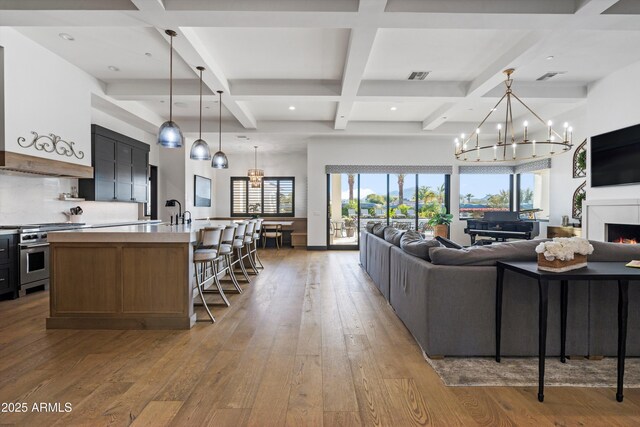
(238, 196)
(286, 196)
(270, 188)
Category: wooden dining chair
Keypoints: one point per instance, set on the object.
(272, 232)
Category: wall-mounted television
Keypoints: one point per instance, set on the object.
(615, 157)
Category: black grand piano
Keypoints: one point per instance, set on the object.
(501, 226)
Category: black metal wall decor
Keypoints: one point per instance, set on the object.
(580, 160)
(51, 144)
(578, 197)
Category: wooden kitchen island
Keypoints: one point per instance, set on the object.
(130, 277)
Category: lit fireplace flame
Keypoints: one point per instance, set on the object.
(626, 241)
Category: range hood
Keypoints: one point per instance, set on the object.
(32, 165)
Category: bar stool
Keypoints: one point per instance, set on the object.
(256, 237)
(206, 254)
(272, 232)
(238, 244)
(248, 239)
(226, 253)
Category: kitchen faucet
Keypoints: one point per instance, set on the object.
(184, 215)
(172, 203)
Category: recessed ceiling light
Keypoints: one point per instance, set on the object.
(550, 57)
(493, 109)
(292, 107)
(180, 104)
(148, 54)
(66, 36)
(113, 68)
(393, 108)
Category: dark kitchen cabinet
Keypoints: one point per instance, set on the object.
(120, 168)
(9, 272)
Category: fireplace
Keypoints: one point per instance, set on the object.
(622, 233)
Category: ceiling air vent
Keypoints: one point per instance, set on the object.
(418, 75)
(550, 74)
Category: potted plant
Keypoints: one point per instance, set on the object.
(349, 225)
(440, 222)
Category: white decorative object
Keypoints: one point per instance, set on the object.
(563, 254)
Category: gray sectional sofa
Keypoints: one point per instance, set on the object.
(448, 303)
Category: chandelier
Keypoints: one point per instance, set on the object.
(511, 144)
(255, 174)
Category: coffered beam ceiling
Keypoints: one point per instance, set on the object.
(524, 32)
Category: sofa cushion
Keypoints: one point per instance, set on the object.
(378, 230)
(370, 226)
(448, 243)
(414, 244)
(613, 252)
(393, 235)
(521, 250)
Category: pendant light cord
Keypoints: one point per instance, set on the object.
(200, 129)
(255, 158)
(171, 81)
(220, 123)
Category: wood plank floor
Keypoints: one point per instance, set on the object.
(310, 342)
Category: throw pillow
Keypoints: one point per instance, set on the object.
(414, 244)
(370, 226)
(378, 230)
(448, 243)
(393, 235)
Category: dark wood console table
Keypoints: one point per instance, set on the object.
(594, 271)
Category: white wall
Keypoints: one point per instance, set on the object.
(561, 181)
(45, 94)
(613, 104)
(202, 168)
(274, 164)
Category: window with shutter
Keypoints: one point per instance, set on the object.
(274, 198)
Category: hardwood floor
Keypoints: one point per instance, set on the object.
(309, 342)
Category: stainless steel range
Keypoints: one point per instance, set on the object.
(34, 253)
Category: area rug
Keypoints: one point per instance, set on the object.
(516, 372)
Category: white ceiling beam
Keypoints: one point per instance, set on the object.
(246, 89)
(130, 112)
(412, 89)
(142, 89)
(360, 46)
(193, 50)
(593, 7)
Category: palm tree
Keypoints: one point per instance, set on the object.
(426, 194)
(351, 179)
(440, 191)
(468, 196)
(526, 196)
(401, 188)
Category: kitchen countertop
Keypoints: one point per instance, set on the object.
(8, 231)
(136, 233)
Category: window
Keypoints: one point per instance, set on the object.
(274, 198)
(480, 193)
(533, 193)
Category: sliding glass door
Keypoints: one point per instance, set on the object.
(404, 201)
(342, 209)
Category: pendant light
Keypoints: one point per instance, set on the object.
(220, 160)
(255, 174)
(200, 148)
(170, 135)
